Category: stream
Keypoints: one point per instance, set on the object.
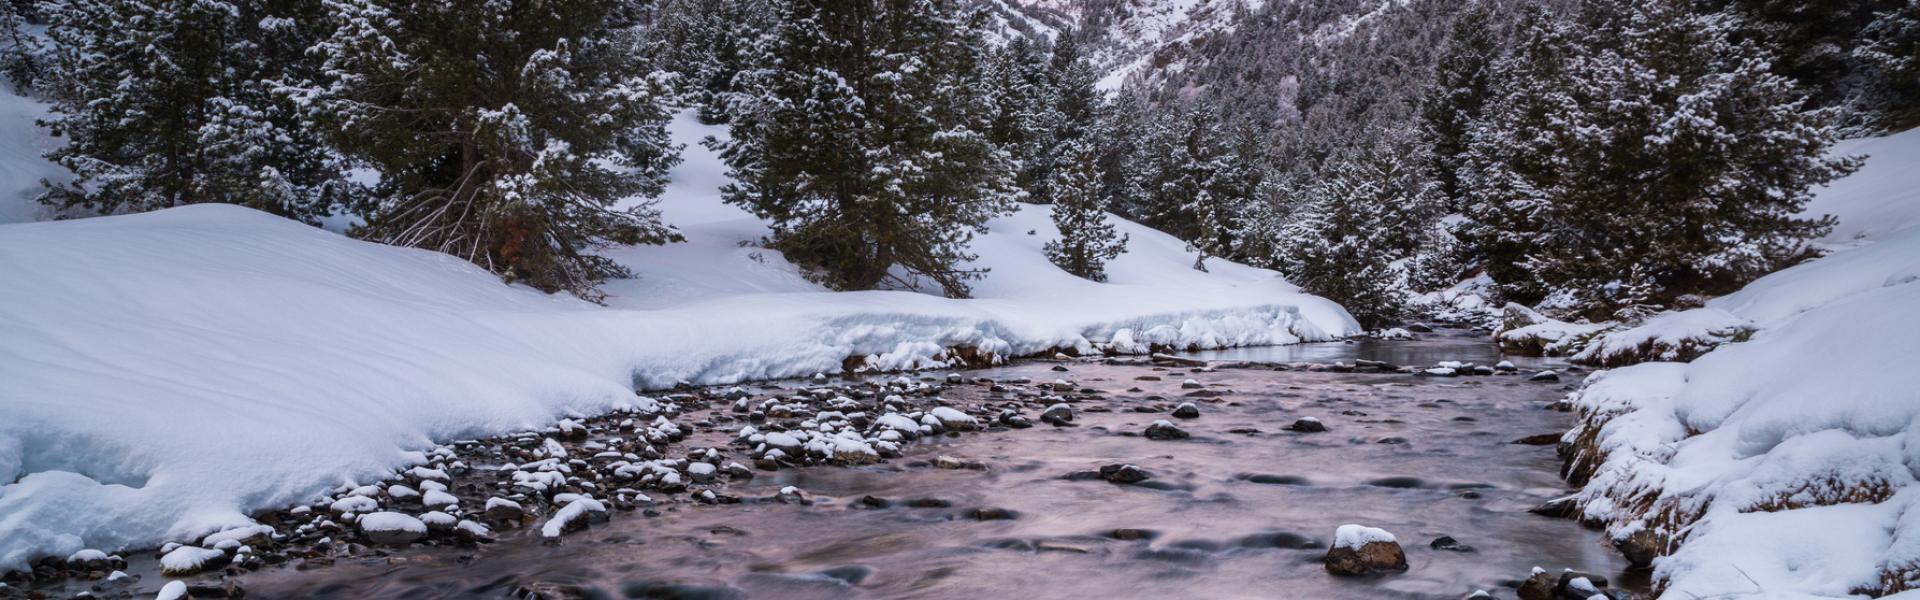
(1243, 508)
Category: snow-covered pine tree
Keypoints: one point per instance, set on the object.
(1332, 245)
(866, 143)
(1192, 183)
(1020, 95)
(1891, 46)
(1460, 88)
(509, 134)
(1649, 138)
(21, 52)
(1087, 238)
(1068, 109)
(171, 102)
(707, 43)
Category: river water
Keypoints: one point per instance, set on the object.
(1242, 509)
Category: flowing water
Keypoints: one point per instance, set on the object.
(1242, 509)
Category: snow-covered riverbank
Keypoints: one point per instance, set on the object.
(166, 373)
(1779, 465)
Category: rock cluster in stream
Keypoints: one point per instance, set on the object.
(566, 478)
(580, 472)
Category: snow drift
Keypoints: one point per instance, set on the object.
(166, 373)
(1782, 465)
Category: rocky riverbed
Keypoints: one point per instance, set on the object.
(1046, 479)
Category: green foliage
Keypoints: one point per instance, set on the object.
(865, 143)
(508, 134)
(1642, 139)
(1087, 239)
(172, 102)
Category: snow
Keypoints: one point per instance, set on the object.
(1879, 199)
(392, 521)
(1356, 536)
(1794, 448)
(173, 590)
(187, 559)
(256, 363)
(22, 166)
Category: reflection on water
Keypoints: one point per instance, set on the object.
(1444, 344)
(1243, 509)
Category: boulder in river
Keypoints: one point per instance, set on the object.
(1124, 474)
(1164, 430)
(1360, 550)
(1307, 425)
(1186, 410)
(1058, 415)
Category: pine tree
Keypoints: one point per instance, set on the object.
(1646, 137)
(508, 134)
(1192, 183)
(1087, 238)
(1891, 45)
(1332, 247)
(1370, 207)
(708, 43)
(1461, 86)
(172, 102)
(21, 52)
(867, 143)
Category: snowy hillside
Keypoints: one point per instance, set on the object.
(1782, 464)
(250, 362)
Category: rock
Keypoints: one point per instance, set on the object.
(392, 528)
(1545, 376)
(1446, 542)
(1515, 316)
(1559, 508)
(573, 517)
(1478, 595)
(701, 472)
(1420, 328)
(1059, 368)
(1538, 586)
(1058, 415)
(992, 513)
(502, 510)
(173, 590)
(1191, 384)
(1359, 551)
(1307, 425)
(1186, 410)
(1164, 431)
(1640, 548)
(1131, 535)
(1124, 474)
(1541, 439)
(953, 420)
(188, 560)
(949, 462)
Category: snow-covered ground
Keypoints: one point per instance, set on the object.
(1782, 465)
(166, 373)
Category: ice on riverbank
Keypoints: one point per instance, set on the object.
(168, 372)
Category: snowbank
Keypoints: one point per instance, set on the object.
(166, 373)
(1782, 465)
(1879, 199)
